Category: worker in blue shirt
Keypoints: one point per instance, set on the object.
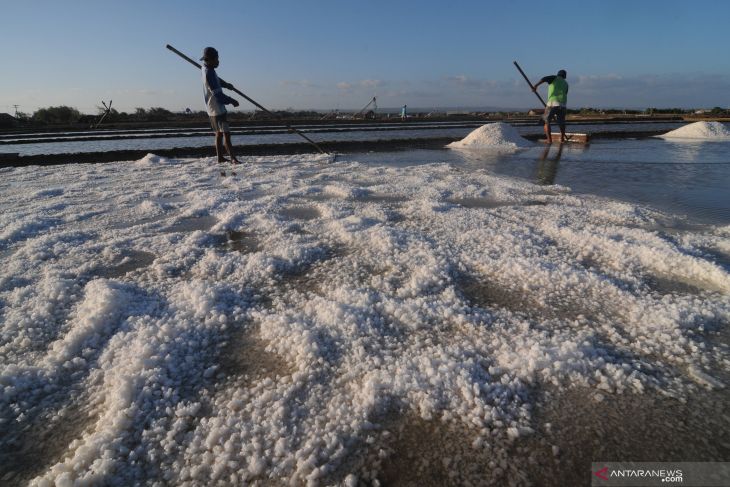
(215, 102)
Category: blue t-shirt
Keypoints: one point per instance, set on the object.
(215, 99)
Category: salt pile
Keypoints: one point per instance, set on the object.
(153, 159)
(701, 131)
(494, 136)
(137, 350)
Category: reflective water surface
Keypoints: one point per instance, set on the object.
(684, 178)
(269, 135)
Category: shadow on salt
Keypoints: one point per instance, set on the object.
(143, 221)
(192, 224)
(311, 276)
(490, 203)
(405, 449)
(381, 198)
(237, 241)
(361, 195)
(5, 253)
(485, 292)
(166, 200)
(131, 261)
(250, 194)
(319, 196)
(719, 258)
(43, 443)
(300, 212)
(667, 285)
(584, 424)
(245, 357)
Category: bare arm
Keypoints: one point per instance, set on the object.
(545, 79)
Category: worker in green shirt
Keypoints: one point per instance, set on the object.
(557, 103)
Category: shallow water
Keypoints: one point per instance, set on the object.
(268, 135)
(684, 178)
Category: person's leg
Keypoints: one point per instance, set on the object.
(546, 118)
(217, 141)
(561, 124)
(229, 147)
(219, 146)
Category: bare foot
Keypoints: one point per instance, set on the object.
(235, 161)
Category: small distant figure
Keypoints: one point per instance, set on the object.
(404, 113)
(216, 101)
(557, 103)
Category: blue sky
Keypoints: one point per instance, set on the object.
(338, 54)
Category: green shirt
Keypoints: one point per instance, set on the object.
(557, 91)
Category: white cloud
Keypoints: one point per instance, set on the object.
(654, 90)
(371, 83)
(458, 79)
(303, 83)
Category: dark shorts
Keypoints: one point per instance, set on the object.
(219, 123)
(553, 113)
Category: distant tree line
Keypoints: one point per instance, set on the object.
(649, 111)
(64, 115)
(69, 116)
(712, 111)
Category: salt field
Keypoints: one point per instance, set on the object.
(458, 316)
(170, 138)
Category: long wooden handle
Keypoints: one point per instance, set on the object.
(529, 83)
(254, 102)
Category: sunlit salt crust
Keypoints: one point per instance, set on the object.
(700, 131)
(362, 294)
(497, 136)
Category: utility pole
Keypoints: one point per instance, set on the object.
(16, 110)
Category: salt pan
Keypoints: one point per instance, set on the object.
(284, 365)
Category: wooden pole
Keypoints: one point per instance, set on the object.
(529, 83)
(291, 129)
